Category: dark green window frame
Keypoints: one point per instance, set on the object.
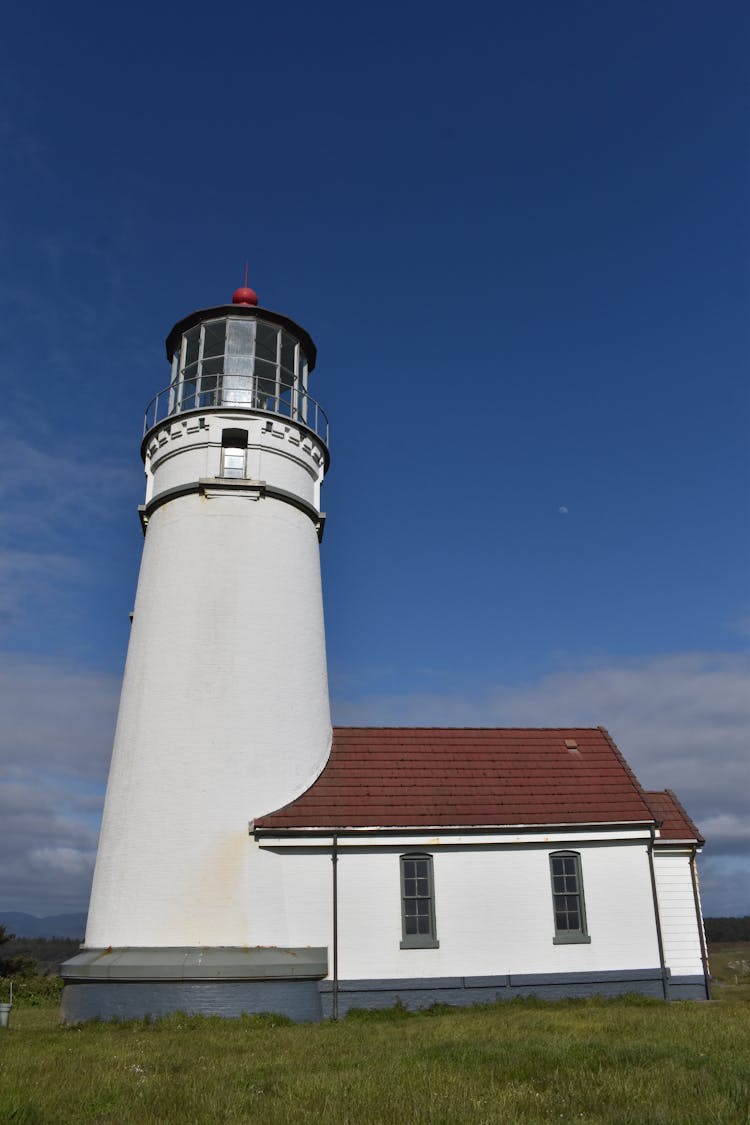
(568, 906)
(417, 902)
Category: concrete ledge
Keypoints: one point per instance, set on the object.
(196, 964)
(247, 489)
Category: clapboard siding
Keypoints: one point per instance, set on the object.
(682, 947)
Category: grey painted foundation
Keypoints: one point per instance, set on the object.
(418, 993)
(134, 983)
(110, 984)
(128, 1000)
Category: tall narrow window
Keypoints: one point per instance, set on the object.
(233, 452)
(417, 902)
(567, 898)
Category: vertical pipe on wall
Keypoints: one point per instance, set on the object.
(335, 866)
(657, 916)
(699, 923)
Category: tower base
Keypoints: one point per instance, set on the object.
(124, 984)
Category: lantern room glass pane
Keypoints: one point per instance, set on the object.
(288, 345)
(237, 384)
(266, 342)
(214, 335)
(265, 384)
(241, 338)
(192, 344)
(190, 370)
(212, 362)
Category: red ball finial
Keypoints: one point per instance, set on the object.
(244, 296)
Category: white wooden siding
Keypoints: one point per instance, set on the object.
(682, 950)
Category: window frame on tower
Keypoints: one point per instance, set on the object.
(233, 448)
(566, 882)
(427, 939)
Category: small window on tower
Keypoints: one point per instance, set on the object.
(233, 453)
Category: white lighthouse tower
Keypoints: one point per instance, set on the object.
(224, 711)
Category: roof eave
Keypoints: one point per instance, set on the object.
(422, 829)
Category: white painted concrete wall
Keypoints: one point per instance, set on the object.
(292, 894)
(493, 910)
(224, 710)
(674, 888)
(188, 448)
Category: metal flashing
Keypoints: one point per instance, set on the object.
(190, 963)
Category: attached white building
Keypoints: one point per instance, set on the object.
(252, 859)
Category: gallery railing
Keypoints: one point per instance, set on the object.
(248, 392)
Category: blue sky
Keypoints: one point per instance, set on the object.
(519, 236)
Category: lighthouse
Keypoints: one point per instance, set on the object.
(224, 711)
(251, 858)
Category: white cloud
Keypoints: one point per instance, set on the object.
(48, 496)
(741, 625)
(32, 576)
(56, 718)
(682, 722)
(63, 861)
(55, 743)
(727, 829)
(50, 488)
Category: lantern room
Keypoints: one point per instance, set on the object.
(242, 357)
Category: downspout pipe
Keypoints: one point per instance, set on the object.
(335, 869)
(699, 923)
(657, 916)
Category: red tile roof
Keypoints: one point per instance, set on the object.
(676, 824)
(408, 777)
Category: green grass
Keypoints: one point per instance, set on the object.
(593, 1061)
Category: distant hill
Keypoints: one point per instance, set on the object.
(73, 926)
(53, 926)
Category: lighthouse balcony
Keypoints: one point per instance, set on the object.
(256, 393)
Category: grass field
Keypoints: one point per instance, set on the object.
(585, 1061)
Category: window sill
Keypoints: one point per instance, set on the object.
(420, 943)
(571, 939)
